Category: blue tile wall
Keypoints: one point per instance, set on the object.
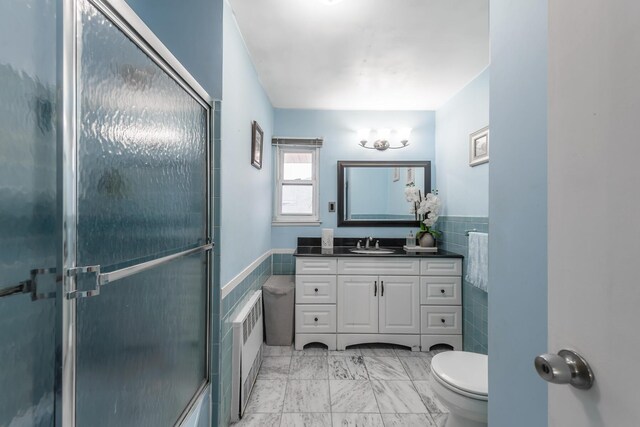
(474, 301)
(284, 264)
(230, 305)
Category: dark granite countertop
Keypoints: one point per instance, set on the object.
(308, 247)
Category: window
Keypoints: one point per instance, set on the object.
(296, 192)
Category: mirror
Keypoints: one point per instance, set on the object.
(371, 194)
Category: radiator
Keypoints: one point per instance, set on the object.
(247, 353)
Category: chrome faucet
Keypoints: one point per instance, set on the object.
(368, 240)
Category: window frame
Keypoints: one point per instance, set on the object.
(280, 218)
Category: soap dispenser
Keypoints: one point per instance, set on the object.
(411, 239)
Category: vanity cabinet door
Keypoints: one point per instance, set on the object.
(399, 304)
(358, 304)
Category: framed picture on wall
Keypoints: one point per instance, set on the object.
(256, 145)
(479, 147)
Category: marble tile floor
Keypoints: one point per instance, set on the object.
(364, 386)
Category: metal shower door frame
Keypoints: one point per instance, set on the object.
(127, 21)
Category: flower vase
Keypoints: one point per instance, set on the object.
(426, 240)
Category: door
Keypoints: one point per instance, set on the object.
(358, 304)
(28, 214)
(594, 231)
(399, 305)
(140, 204)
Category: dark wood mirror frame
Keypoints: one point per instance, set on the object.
(343, 222)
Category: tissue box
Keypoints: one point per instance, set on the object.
(327, 238)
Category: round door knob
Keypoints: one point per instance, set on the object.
(442, 291)
(316, 319)
(316, 289)
(566, 367)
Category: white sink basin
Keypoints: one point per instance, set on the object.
(372, 251)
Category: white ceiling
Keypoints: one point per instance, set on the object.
(365, 54)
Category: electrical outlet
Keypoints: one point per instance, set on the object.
(332, 206)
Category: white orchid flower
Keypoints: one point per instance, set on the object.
(412, 194)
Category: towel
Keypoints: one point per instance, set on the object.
(478, 261)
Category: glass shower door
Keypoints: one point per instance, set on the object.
(27, 212)
(142, 216)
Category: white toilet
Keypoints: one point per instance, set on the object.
(460, 382)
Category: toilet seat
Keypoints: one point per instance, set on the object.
(462, 372)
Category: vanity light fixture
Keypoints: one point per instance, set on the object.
(382, 137)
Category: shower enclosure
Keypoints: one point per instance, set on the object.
(105, 220)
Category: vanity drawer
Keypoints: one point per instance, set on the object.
(440, 319)
(375, 266)
(315, 289)
(316, 265)
(440, 290)
(441, 267)
(315, 318)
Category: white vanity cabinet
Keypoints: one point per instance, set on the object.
(316, 301)
(440, 302)
(375, 299)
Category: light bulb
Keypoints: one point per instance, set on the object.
(363, 135)
(404, 134)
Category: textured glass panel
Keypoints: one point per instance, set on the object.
(297, 199)
(141, 346)
(141, 152)
(298, 166)
(27, 208)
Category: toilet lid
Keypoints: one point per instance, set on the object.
(463, 370)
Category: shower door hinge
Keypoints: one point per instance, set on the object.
(90, 269)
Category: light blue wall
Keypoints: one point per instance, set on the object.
(192, 31)
(464, 190)
(518, 212)
(245, 191)
(341, 143)
(465, 194)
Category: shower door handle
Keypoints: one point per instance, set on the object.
(30, 286)
(102, 279)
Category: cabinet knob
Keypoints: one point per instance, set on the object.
(442, 291)
(316, 289)
(316, 319)
(442, 320)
